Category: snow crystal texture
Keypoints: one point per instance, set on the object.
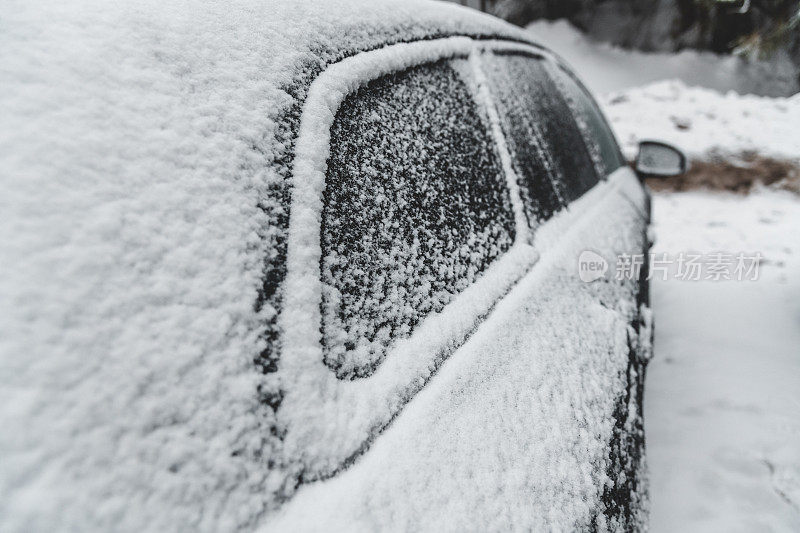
(145, 161)
(551, 158)
(415, 210)
(599, 139)
(514, 431)
(147, 155)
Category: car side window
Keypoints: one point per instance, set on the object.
(550, 156)
(415, 209)
(598, 134)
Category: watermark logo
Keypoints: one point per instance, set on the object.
(684, 266)
(591, 266)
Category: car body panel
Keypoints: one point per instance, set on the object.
(514, 430)
(149, 153)
(332, 424)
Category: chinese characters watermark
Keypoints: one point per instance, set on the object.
(684, 266)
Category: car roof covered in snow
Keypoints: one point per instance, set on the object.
(144, 155)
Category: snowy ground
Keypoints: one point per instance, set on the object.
(677, 98)
(607, 68)
(723, 390)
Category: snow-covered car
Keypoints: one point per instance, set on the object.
(306, 266)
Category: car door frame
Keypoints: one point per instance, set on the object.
(313, 395)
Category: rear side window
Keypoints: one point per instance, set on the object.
(551, 159)
(415, 210)
(599, 138)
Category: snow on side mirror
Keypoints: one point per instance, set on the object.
(658, 159)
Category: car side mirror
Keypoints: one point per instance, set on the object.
(658, 159)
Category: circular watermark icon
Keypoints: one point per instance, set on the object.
(591, 266)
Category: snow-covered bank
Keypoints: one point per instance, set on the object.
(703, 121)
(687, 98)
(723, 390)
(609, 68)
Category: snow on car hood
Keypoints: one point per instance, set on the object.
(144, 151)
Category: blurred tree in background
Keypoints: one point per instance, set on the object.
(748, 27)
(781, 29)
(766, 32)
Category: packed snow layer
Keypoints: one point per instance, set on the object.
(723, 391)
(513, 431)
(144, 153)
(704, 122)
(416, 209)
(547, 145)
(326, 422)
